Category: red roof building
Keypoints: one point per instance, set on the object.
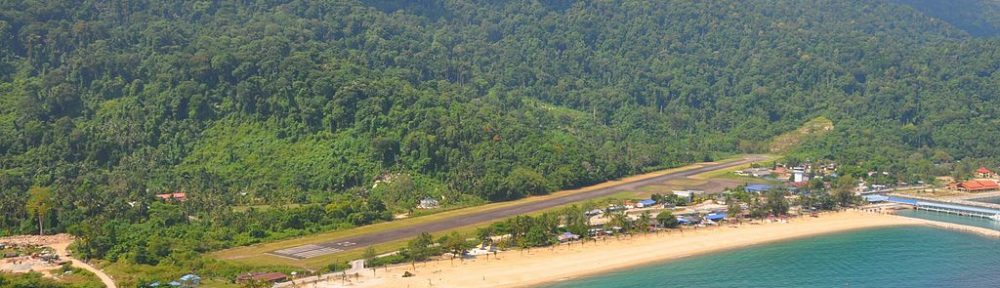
(780, 170)
(982, 172)
(978, 185)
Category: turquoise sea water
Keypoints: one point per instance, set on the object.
(944, 217)
(890, 257)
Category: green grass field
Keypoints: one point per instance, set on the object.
(256, 254)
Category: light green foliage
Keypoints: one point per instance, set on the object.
(39, 205)
(259, 160)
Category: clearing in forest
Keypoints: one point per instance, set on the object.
(816, 127)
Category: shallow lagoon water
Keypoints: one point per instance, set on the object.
(909, 256)
(951, 218)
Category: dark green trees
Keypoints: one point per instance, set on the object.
(667, 220)
(290, 106)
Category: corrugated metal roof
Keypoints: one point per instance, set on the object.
(876, 198)
(758, 187)
(957, 207)
(902, 200)
(715, 216)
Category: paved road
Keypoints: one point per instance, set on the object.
(355, 242)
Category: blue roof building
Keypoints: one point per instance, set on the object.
(875, 198)
(716, 216)
(758, 188)
(902, 200)
(645, 203)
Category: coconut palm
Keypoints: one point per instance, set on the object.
(621, 220)
(645, 219)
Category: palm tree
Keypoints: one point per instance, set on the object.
(456, 244)
(369, 257)
(644, 221)
(485, 235)
(620, 220)
(734, 209)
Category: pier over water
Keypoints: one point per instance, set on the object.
(954, 206)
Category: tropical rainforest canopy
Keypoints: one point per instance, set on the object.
(338, 113)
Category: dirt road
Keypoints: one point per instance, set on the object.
(59, 243)
(64, 254)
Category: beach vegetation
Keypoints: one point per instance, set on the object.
(734, 209)
(776, 202)
(666, 219)
(421, 247)
(370, 257)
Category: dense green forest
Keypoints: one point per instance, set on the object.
(978, 17)
(280, 118)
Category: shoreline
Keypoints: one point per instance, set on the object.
(548, 265)
(986, 232)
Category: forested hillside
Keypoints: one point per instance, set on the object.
(978, 17)
(104, 104)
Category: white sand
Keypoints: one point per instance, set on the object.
(544, 265)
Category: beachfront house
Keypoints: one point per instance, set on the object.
(716, 216)
(982, 172)
(482, 249)
(567, 236)
(976, 186)
(688, 220)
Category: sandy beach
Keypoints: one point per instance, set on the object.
(545, 265)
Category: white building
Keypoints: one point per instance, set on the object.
(799, 175)
(688, 194)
